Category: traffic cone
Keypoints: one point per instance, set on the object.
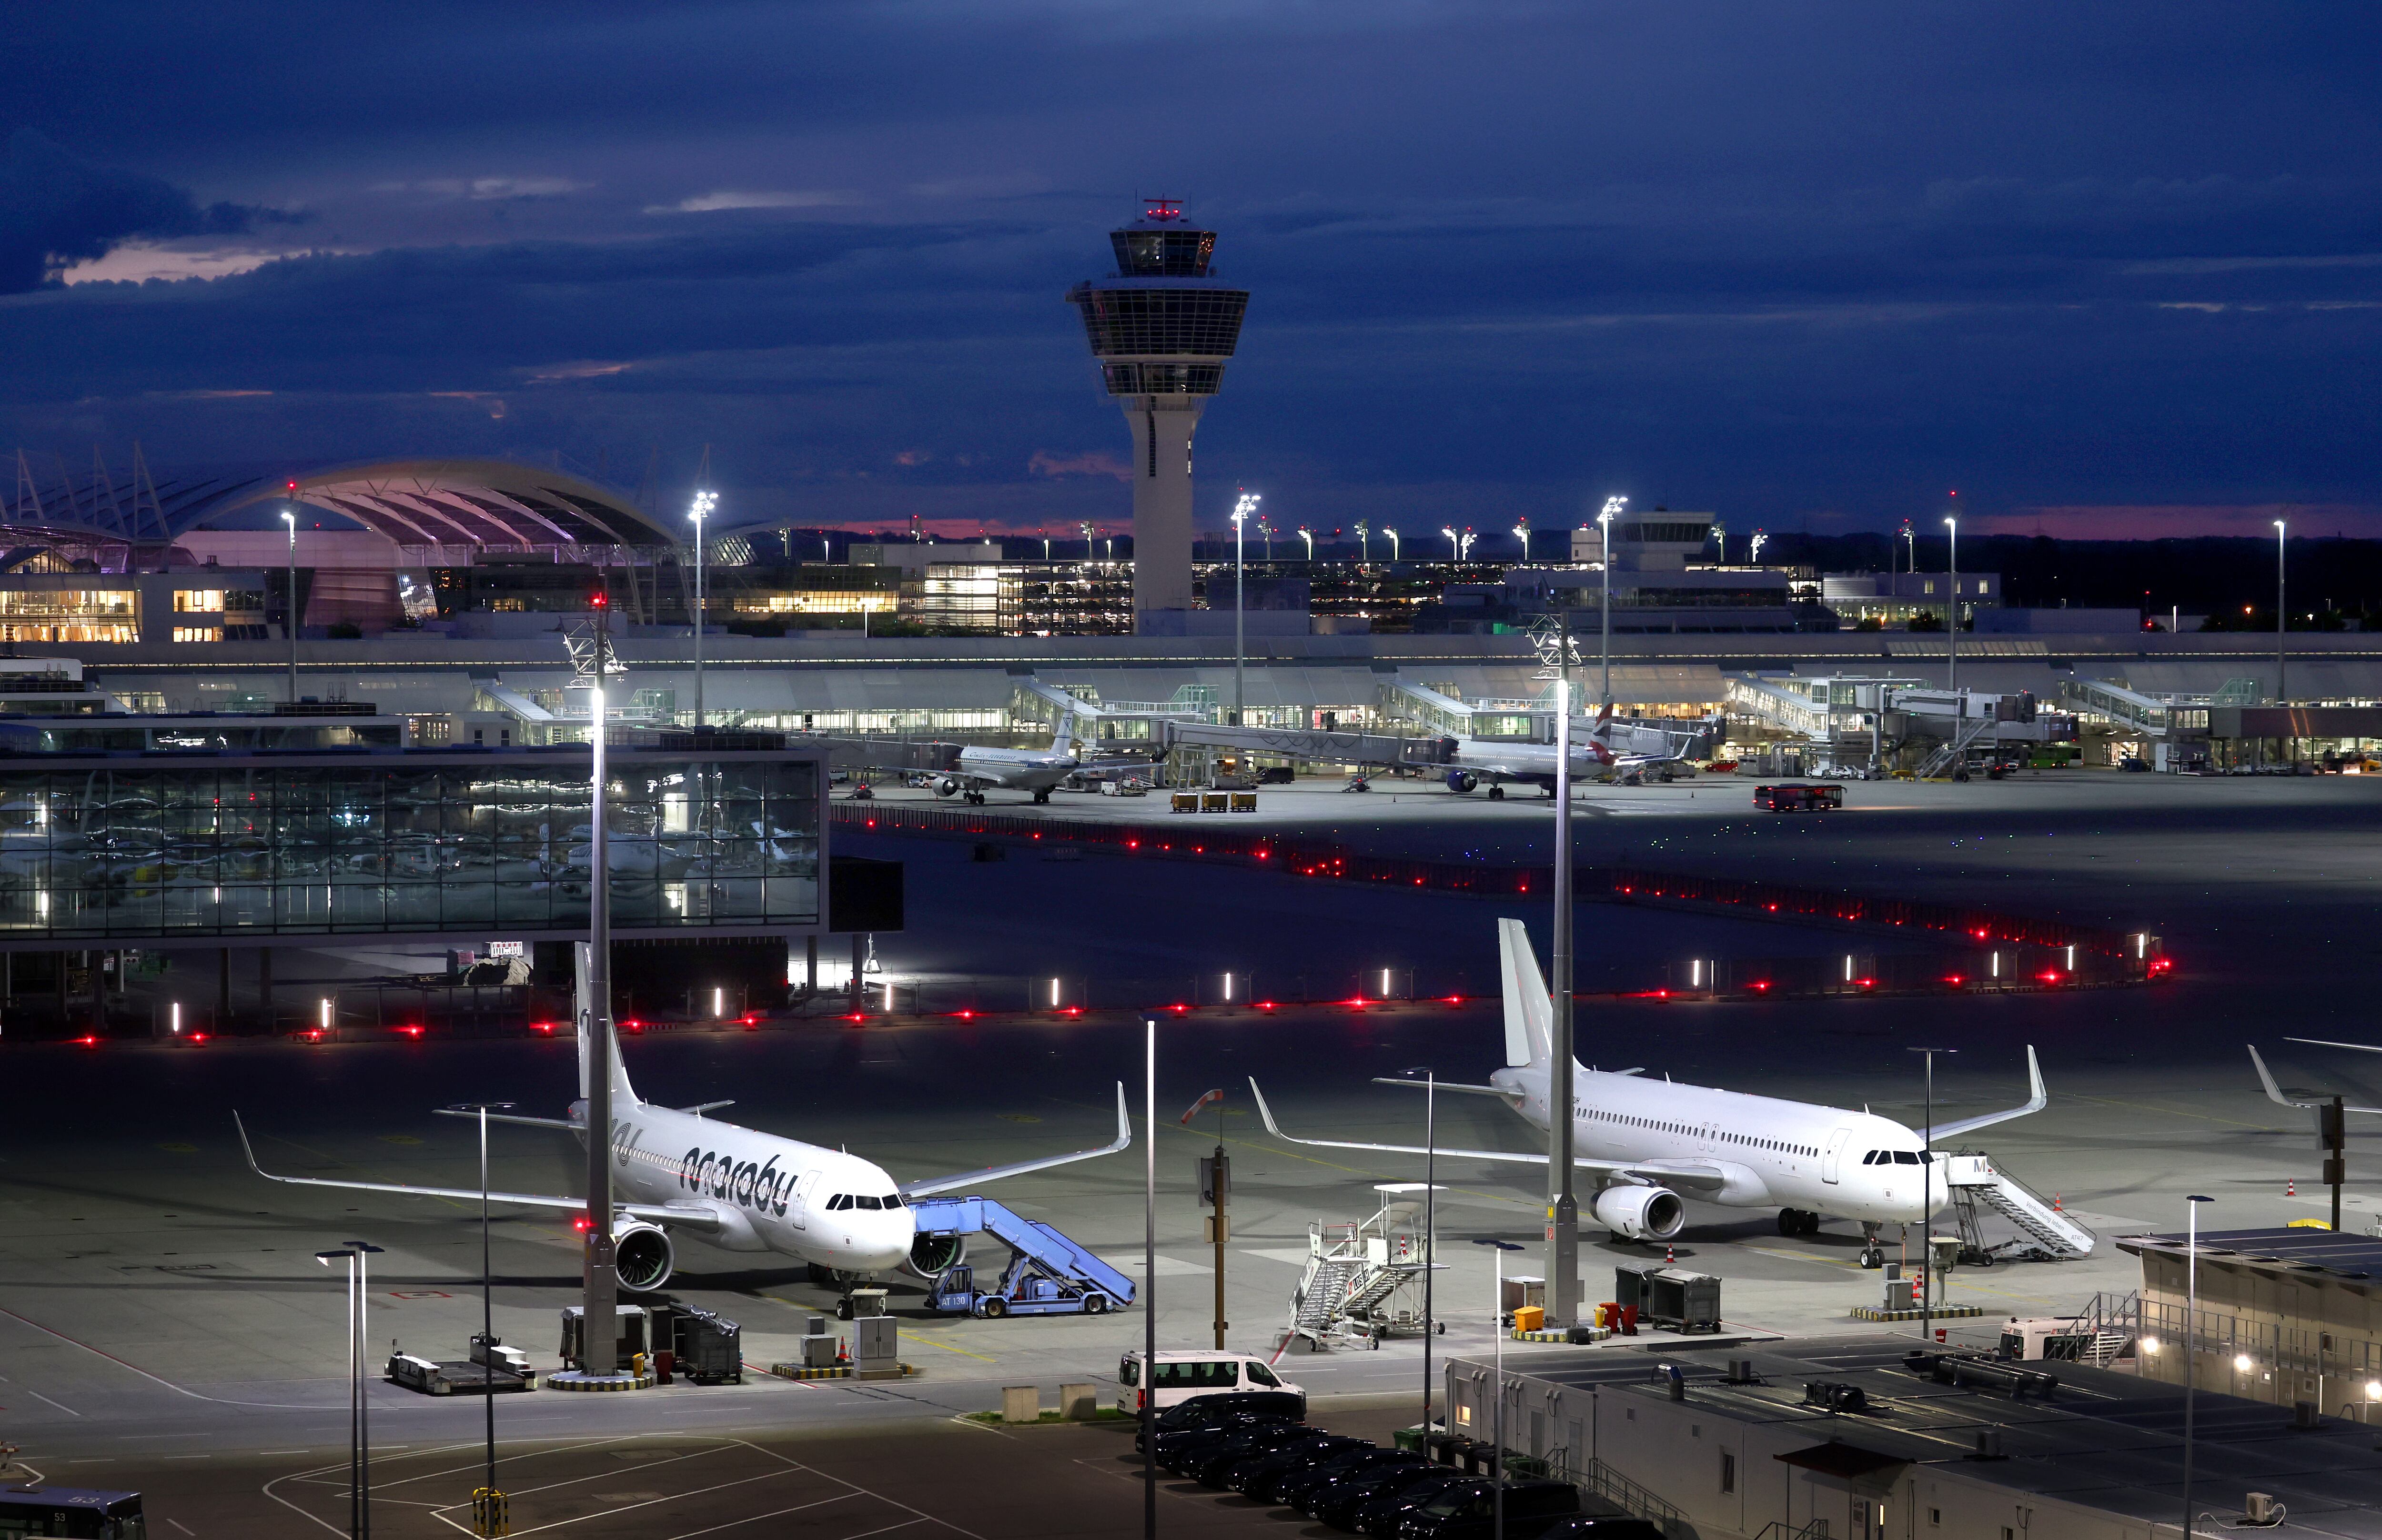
(1668, 1256)
(2055, 1202)
(2290, 1187)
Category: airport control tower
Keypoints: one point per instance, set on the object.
(1161, 330)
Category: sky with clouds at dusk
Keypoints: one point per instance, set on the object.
(2108, 269)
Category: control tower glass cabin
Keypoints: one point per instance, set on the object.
(1162, 329)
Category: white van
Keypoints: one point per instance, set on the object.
(1182, 1376)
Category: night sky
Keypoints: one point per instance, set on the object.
(2106, 269)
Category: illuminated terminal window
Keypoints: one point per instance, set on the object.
(828, 601)
(68, 614)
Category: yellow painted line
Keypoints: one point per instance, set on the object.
(945, 1346)
(1799, 1256)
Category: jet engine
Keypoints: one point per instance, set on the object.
(1462, 780)
(642, 1255)
(948, 786)
(930, 1256)
(1640, 1213)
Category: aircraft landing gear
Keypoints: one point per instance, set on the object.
(1042, 796)
(1872, 1255)
(1797, 1221)
(1496, 793)
(976, 798)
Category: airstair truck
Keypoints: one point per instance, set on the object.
(1048, 1274)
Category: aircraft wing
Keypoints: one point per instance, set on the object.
(1676, 1173)
(2036, 1101)
(689, 1215)
(1444, 1085)
(927, 1186)
(2274, 1093)
(2328, 1043)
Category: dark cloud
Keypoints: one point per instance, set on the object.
(57, 209)
(1506, 255)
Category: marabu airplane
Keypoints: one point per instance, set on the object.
(1647, 1141)
(1606, 745)
(675, 1171)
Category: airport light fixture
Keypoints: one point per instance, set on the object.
(1927, 1196)
(1522, 533)
(355, 1484)
(1243, 512)
(704, 503)
(1497, 1423)
(1150, 1282)
(1455, 547)
(1308, 536)
(487, 1504)
(1464, 551)
(2190, 1341)
(290, 516)
(1364, 542)
(1393, 536)
(1563, 1202)
(2282, 692)
(1754, 555)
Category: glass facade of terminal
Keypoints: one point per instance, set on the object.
(130, 848)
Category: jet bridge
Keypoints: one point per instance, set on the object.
(1313, 746)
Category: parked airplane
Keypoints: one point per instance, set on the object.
(1645, 1142)
(1624, 747)
(676, 1171)
(2274, 1093)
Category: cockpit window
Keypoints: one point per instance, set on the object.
(841, 1200)
(865, 1200)
(1907, 1157)
(892, 1200)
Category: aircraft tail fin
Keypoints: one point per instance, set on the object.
(586, 1020)
(1529, 1014)
(1062, 734)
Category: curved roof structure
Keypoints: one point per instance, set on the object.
(412, 501)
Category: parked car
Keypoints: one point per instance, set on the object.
(1339, 1501)
(1214, 1409)
(1380, 1515)
(1297, 1487)
(1197, 1455)
(1182, 1376)
(2132, 764)
(1180, 1440)
(1256, 1478)
(1457, 1514)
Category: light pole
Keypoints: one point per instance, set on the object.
(1393, 541)
(1455, 547)
(1243, 512)
(1364, 542)
(1927, 1198)
(1612, 511)
(1308, 536)
(355, 1486)
(290, 516)
(1497, 1324)
(1952, 629)
(1430, 1225)
(1464, 551)
(485, 1501)
(704, 503)
(1563, 1233)
(2190, 1341)
(2282, 695)
(1753, 552)
(1149, 1281)
(1522, 533)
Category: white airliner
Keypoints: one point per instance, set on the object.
(2274, 1093)
(1607, 745)
(1038, 771)
(675, 1170)
(1648, 1141)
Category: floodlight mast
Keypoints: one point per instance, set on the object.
(704, 503)
(1613, 508)
(1243, 512)
(290, 516)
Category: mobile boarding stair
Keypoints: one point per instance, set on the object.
(2045, 1234)
(1362, 1278)
(1048, 1274)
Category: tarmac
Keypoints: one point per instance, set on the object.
(164, 1325)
